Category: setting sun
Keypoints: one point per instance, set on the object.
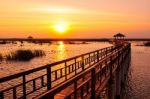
(61, 28)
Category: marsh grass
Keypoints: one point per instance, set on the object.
(3, 42)
(24, 55)
(1, 57)
(147, 44)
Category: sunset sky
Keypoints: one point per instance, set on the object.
(74, 18)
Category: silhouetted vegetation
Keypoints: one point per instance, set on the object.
(147, 44)
(1, 58)
(30, 37)
(3, 42)
(24, 55)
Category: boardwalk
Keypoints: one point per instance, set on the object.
(83, 76)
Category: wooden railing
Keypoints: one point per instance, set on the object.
(97, 77)
(48, 77)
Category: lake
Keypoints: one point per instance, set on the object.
(138, 80)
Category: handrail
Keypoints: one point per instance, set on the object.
(43, 67)
(90, 60)
(62, 86)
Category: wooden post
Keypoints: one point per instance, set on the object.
(75, 66)
(93, 82)
(65, 71)
(97, 56)
(49, 83)
(118, 83)
(111, 75)
(100, 73)
(75, 90)
(24, 86)
(83, 67)
(89, 60)
(49, 78)
(106, 51)
(1, 95)
(82, 63)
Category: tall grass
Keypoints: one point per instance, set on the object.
(1, 57)
(24, 55)
(147, 44)
(3, 42)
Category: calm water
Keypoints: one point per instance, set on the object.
(138, 82)
(54, 52)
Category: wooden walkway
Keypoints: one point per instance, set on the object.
(83, 76)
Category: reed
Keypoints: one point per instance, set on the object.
(1, 57)
(147, 44)
(24, 55)
(3, 42)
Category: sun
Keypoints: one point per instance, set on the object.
(61, 28)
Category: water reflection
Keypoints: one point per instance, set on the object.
(61, 48)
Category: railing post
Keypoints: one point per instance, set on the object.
(49, 83)
(89, 60)
(118, 58)
(48, 78)
(111, 69)
(75, 90)
(100, 73)
(97, 56)
(24, 86)
(122, 53)
(1, 95)
(93, 82)
(75, 66)
(65, 71)
(106, 51)
(82, 63)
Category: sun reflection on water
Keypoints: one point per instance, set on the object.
(62, 51)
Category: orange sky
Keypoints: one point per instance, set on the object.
(83, 18)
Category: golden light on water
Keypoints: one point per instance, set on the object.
(61, 43)
(61, 51)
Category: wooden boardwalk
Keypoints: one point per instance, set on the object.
(83, 76)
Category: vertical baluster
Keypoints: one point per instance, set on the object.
(14, 93)
(75, 66)
(83, 63)
(101, 56)
(34, 87)
(111, 75)
(72, 67)
(89, 60)
(49, 83)
(87, 87)
(82, 91)
(69, 68)
(97, 56)
(78, 64)
(1, 95)
(105, 68)
(65, 71)
(102, 53)
(106, 51)
(56, 75)
(93, 81)
(75, 90)
(42, 81)
(24, 86)
(100, 73)
(61, 72)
